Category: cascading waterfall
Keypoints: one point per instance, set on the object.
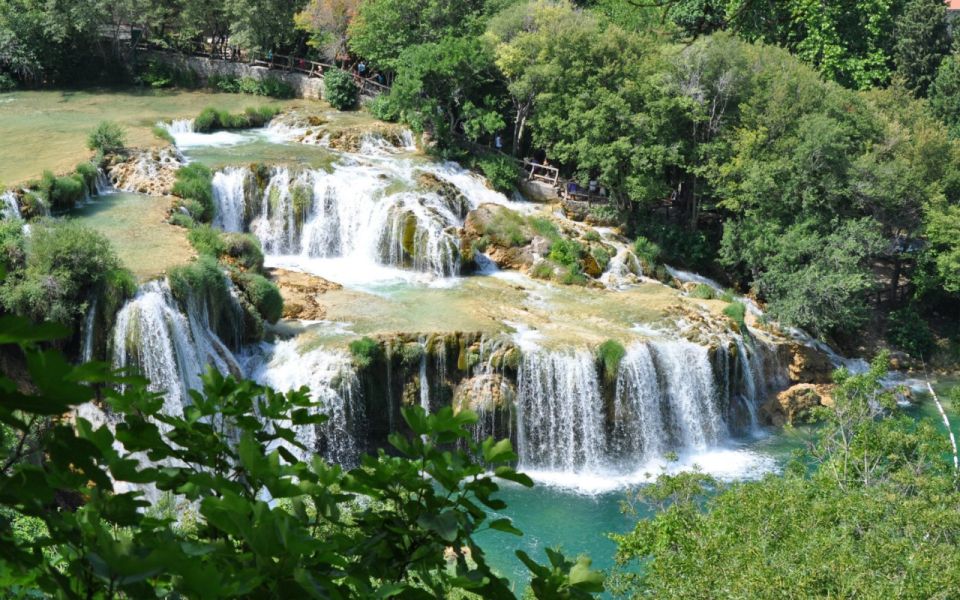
(89, 323)
(228, 191)
(348, 213)
(178, 126)
(154, 336)
(560, 421)
(664, 399)
(10, 208)
(332, 382)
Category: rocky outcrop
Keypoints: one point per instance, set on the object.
(517, 251)
(386, 136)
(302, 293)
(794, 404)
(806, 364)
(151, 172)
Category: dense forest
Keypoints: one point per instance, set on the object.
(804, 153)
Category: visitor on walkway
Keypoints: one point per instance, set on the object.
(593, 187)
(498, 142)
(362, 69)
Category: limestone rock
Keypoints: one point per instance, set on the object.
(301, 294)
(794, 404)
(484, 393)
(151, 172)
(806, 365)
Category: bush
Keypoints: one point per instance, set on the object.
(207, 241)
(160, 75)
(591, 235)
(543, 270)
(908, 331)
(181, 220)
(648, 253)
(245, 249)
(213, 119)
(7, 83)
(195, 182)
(737, 312)
(501, 171)
(384, 109)
(566, 252)
(507, 228)
(204, 281)
(339, 89)
(365, 351)
(88, 173)
(545, 228)
(610, 353)
(703, 292)
(62, 193)
(275, 88)
(65, 264)
(602, 257)
(106, 138)
(264, 295)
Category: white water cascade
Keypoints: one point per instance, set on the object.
(332, 382)
(169, 347)
(89, 323)
(371, 215)
(9, 208)
(664, 399)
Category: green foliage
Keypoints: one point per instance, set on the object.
(507, 228)
(7, 83)
(647, 251)
(267, 86)
(108, 137)
(365, 352)
(610, 354)
(501, 171)
(922, 41)
(545, 228)
(56, 271)
(872, 484)
(160, 75)
(340, 90)
(380, 529)
(945, 93)
(87, 172)
(264, 295)
(213, 119)
(736, 312)
(207, 241)
(907, 330)
(162, 133)
(383, 108)
(181, 220)
(566, 252)
(195, 183)
(602, 256)
(244, 250)
(703, 292)
(62, 193)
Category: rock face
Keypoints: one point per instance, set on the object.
(794, 404)
(476, 227)
(806, 365)
(151, 172)
(301, 294)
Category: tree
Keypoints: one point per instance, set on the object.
(945, 93)
(923, 40)
(328, 23)
(250, 512)
(861, 513)
(262, 25)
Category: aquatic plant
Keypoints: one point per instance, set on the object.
(610, 353)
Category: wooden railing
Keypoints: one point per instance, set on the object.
(280, 62)
(544, 173)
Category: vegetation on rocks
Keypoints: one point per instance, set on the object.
(108, 137)
(214, 119)
(194, 186)
(340, 90)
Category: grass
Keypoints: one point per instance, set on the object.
(162, 133)
(703, 292)
(195, 183)
(215, 119)
(737, 313)
(610, 354)
(364, 352)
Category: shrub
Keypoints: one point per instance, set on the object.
(573, 275)
(275, 88)
(7, 83)
(161, 132)
(602, 257)
(207, 241)
(88, 172)
(727, 296)
(543, 270)
(339, 89)
(703, 292)
(65, 262)
(264, 295)
(545, 228)
(245, 249)
(224, 83)
(507, 228)
(364, 352)
(384, 109)
(737, 313)
(62, 193)
(647, 251)
(566, 252)
(610, 353)
(907, 330)
(213, 119)
(12, 245)
(181, 220)
(106, 138)
(195, 182)
(591, 235)
(501, 171)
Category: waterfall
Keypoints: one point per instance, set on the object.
(89, 323)
(169, 347)
(103, 184)
(10, 208)
(560, 417)
(332, 382)
(424, 381)
(352, 212)
(664, 399)
(178, 126)
(228, 190)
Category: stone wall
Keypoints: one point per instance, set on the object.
(304, 87)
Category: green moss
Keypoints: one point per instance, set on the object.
(508, 229)
(409, 238)
(609, 354)
(365, 352)
(302, 196)
(245, 249)
(410, 354)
